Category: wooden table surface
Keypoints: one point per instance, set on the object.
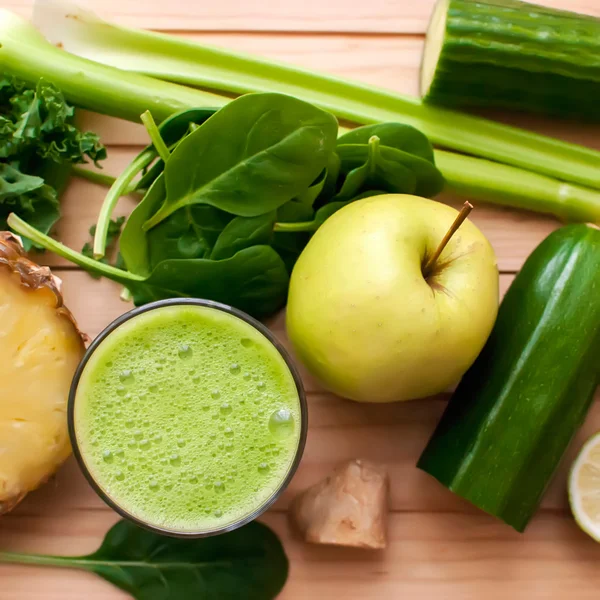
(439, 546)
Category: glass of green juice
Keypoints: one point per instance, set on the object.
(187, 417)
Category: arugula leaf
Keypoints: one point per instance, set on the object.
(248, 563)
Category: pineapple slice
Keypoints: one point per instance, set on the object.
(40, 348)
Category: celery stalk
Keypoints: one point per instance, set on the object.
(26, 54)
(182, 61)
(506, 185)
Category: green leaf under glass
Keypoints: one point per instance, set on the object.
(247, 563)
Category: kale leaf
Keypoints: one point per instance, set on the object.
(38, 143)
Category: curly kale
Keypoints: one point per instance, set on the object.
(38, 143)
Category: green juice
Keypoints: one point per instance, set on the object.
(187, 418)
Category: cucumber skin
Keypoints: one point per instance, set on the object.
(515, 411)
(510, 54)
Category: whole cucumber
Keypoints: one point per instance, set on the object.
(511, 54)
(517, 408)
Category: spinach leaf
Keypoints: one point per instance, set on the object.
(394, 135)
(149, 165)
(174, 258)
(393, 157)
(134, 242)
(304, 225)
(309, 196)
(248, 563)
(172, 131)
(332, 207)
(330, 185)
(289, 245)
(254, 280)
(373, 166)
(244, 232)
(190, 232)
(250, 157)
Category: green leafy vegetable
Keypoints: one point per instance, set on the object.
(254, 279)
(36, 123)
(393, 157)
(114, 231)
(28, 196)
(172, 130)
(311, 194)
(371, 165)
(233, 200)
(37, 145)
(364, 166)
(244, 232)
(395, 135)
(248, 563)
(252, 156)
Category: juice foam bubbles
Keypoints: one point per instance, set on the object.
(187, 418)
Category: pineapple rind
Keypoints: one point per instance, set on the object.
(40, 348)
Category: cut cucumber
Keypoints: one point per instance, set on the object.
(511, 54)
(515, 411)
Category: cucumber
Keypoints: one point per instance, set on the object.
(511, 54)
(515, 411)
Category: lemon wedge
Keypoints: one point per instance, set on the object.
(584, 488)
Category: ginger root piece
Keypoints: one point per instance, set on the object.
(348, 508)
(40, 348)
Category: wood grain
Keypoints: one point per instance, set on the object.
(376, 16)
(440, 546)
(431, 555)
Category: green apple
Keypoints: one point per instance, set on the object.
(369, 323)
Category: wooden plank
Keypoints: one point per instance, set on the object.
(513, 234)
(439, 545)
(393, 434)
(377, 16)
(430, 555)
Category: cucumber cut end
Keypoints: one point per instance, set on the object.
(434, 43)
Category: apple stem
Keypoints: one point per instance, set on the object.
(460, 218)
